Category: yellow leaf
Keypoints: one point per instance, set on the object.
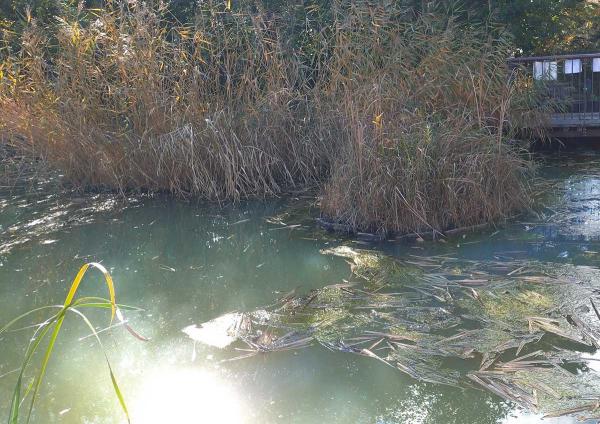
(107, 279)
(377, 120)
(228, 7)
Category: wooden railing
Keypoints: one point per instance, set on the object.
(572, 81)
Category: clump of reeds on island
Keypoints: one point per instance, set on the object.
(401, 119)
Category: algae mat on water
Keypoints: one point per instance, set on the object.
(519, 329)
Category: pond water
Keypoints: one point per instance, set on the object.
(186, 263)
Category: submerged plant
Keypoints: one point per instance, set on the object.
(49, 329)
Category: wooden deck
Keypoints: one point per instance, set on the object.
(575, 126)
(571, 120)
(573, 82)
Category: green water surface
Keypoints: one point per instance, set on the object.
(187, 262)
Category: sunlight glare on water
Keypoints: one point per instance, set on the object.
(186, 396)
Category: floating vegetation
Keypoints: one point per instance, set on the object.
(374, 268)
(221, 331)
(519, 327)
(49, 329)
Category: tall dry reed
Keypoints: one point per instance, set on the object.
(427, 108)
(129, 102)
(403, 122)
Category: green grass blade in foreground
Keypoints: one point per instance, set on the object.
(60, 320)
(31, 349)
(112, 374)
(55, 323)
(26, 314)
(100, 302)
(45, 360)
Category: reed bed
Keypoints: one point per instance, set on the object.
(402, 122)
(428, 126)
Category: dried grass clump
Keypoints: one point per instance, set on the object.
(426, 106)
(403, 122)
(128, 101)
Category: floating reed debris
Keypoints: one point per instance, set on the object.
(516, 335)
